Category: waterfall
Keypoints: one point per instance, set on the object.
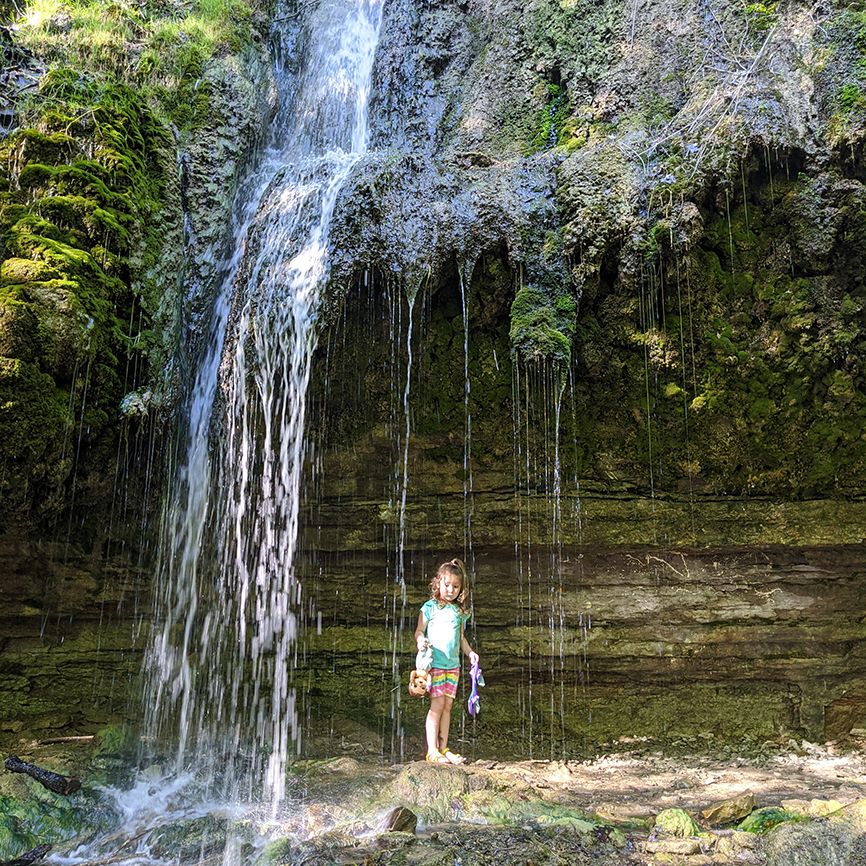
(220, 661)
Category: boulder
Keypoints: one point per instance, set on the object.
(730, 810)
(400, 820)
(813, 808)
(675, 822)
(674, 846)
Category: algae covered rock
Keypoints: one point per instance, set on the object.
(112, 754)
(42, 817)
(508, 808)
(676, 822)
(431, 790)
(15, 838)
(762, 820)
(190, 840)
(90, 174)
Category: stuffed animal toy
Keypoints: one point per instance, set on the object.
(419, 679)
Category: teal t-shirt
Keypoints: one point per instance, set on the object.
(443, 632)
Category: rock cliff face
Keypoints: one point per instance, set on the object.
(670, 200)
(598, 283)
(624, 246)
(117, 162)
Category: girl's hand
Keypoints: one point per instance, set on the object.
(473, 657)
(421, 643)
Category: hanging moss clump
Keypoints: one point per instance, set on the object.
(541, 326)
(544, 311)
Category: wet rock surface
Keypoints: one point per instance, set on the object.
(730, 650)
(618, 809)
(544, 812)
(626, 187)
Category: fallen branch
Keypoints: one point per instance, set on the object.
(52, 781)
(29, 857)
(85, 738)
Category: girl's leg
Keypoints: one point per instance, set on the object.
(445, 723)
(444, 726)
(431, 726)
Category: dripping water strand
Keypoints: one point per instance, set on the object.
(399, 619)
(404, 480)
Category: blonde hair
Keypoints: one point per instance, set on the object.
(452, 568)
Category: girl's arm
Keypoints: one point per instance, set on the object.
(467, 649)
(420, 638)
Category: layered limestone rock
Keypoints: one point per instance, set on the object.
(633, 241)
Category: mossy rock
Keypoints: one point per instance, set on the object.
(33, 423)
(43, 817)
(676, 822)
(115, 741)
(18, 325)
(113, 754)
(15, 838)
(762, 820)
(91, 171)
(542, 324)
(275, 852)
(430, 790)
(190, 840)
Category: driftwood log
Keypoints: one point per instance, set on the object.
(29, 857)
(52, 781)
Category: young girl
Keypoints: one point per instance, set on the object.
(441, 624)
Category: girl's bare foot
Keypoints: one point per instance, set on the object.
(453, 757)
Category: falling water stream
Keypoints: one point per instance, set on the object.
(221, 660)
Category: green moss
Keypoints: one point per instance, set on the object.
(114, 741)
(538, 328)
(551, 120)
(90, 168)
(848, 84)
(191, 840)
(851, 98)
(724, 370)
(762, 15)
(500, 807)
(577, 40)
(161, 50)
(676, 822)
(40, 817)
(15, 838)
(34, 419)
(544, 310)
(276, 852)
(51, 148)
(762, 820)
(18, 325)
(575, 36)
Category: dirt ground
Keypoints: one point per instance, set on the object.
(624, 786)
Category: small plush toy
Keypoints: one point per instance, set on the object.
(419, 679)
